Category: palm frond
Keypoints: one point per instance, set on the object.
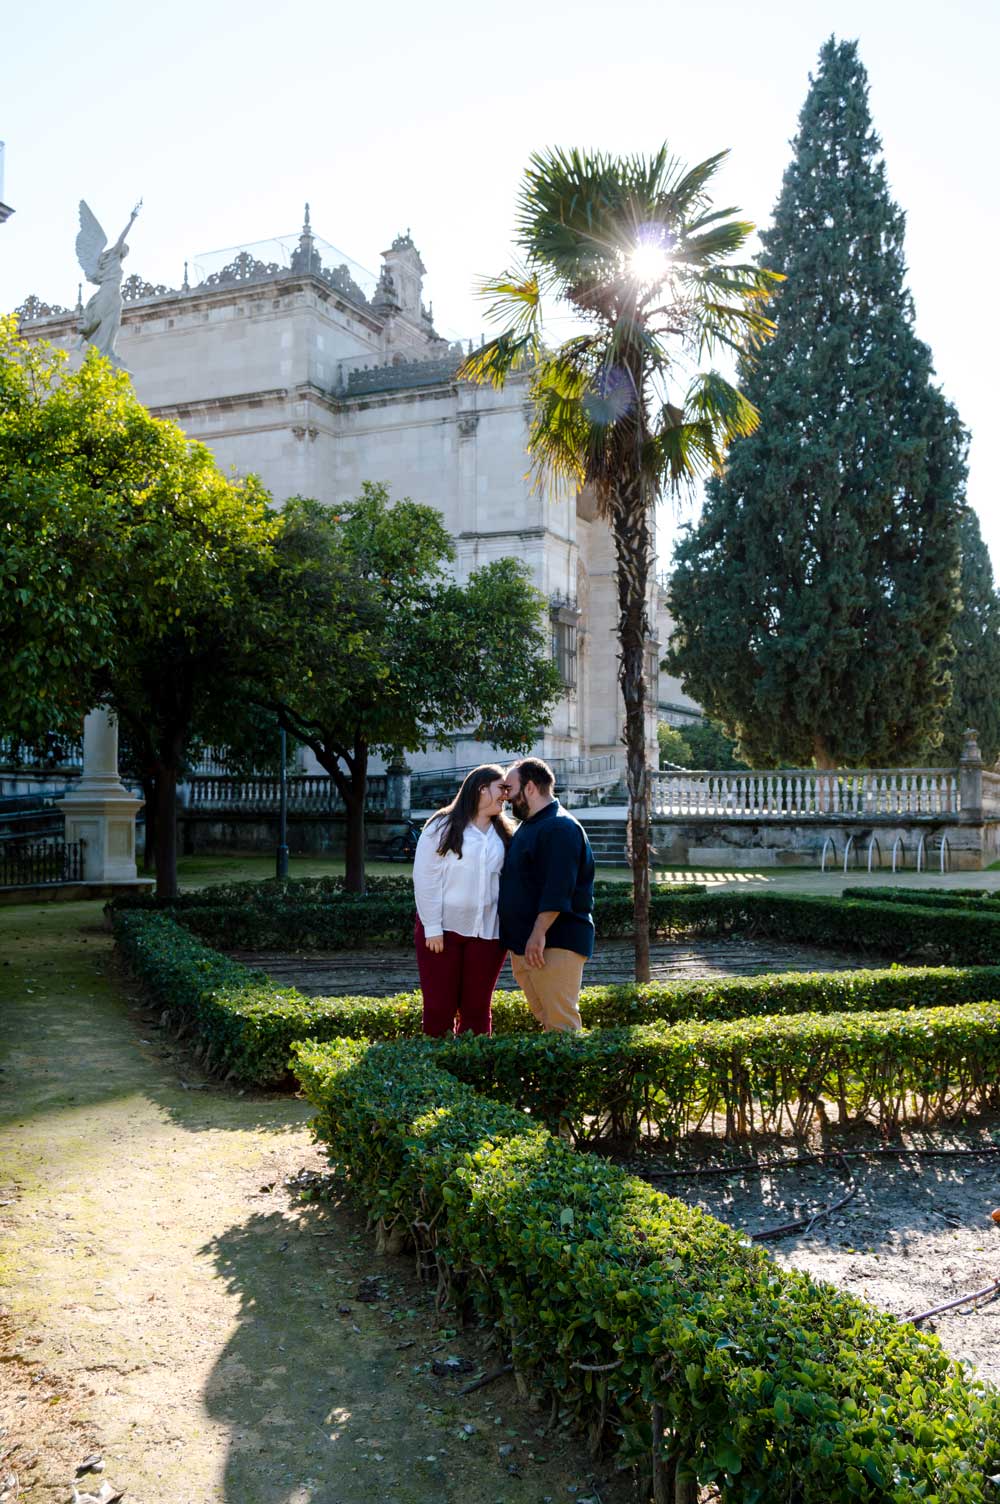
(710, 217)
(516, 301)
(689, 188)
(736, 328)
(741, 279)
(560, 438)
(719, 241)
(495, 360)
(712, 399)
(684, 452)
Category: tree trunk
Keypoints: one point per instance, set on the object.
(824, 786)
(354, 809)
(821, 754)
(149, 810)
(165, 828)
(630, 526)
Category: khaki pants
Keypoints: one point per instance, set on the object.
(552, 991)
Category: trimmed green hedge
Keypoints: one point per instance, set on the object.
(246, 1023)
(316, 914)
(894, 930)
(272, 893)
(971, 899)
(759, 1074)
(643, 1318)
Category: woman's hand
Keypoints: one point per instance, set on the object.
(434, 943)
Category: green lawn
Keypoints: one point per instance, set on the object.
(203, 871)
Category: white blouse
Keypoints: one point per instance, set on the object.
(459, 894)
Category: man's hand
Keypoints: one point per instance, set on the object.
(434, 943)
(534, 951)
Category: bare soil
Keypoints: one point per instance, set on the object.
(345, 973)
(175, 1306)
(917, 1234)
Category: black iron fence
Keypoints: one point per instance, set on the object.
(36, 862)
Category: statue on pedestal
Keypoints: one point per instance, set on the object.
(102, 264)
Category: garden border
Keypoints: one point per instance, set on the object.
(643, 1317)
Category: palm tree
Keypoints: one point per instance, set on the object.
(634, 251)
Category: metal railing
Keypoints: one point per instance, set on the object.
(41, 862)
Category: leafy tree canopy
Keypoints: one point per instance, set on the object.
(385, 652)
(975, 669)
(698, 744)
(129, 571)
(814, 598)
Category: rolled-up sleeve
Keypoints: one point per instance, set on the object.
(428, 883)
(561, 860)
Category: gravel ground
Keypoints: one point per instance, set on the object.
(384, 972)
(917, 1233)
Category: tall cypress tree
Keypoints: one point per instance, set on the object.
(814, 597)
(975, 672)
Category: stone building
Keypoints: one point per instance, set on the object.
(5, 210)
(291, 362)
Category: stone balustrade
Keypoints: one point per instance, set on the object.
(991, 795)
(308, 793)
(797, 793)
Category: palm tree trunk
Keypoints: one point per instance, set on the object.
(633, 547)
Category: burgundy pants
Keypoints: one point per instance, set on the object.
(458, 982)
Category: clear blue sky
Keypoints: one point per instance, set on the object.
(227, 116)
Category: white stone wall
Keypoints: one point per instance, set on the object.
(257, 372)
(676, 705)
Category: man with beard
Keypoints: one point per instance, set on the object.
(546, 897)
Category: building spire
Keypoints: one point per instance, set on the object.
(305, 257)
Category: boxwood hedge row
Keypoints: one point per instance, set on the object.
(757, 1074)
(641, 1317)
(245, 1025)
(893, 930)
(973, 899)
(316, 914)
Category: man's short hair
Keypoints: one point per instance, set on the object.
(533, 770)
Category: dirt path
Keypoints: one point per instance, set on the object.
(170, 1304)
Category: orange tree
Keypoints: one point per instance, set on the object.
(130, 570)
(633, 249)
(384, 652)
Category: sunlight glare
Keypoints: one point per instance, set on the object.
(648, 263)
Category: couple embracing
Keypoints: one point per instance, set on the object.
(485, 886)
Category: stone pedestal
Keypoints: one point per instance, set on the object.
(970, 780)
(397, 791)
(100, 811)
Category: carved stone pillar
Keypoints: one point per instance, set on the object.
(970, 780)
(100, 811)
(397, 791)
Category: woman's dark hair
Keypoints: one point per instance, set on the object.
(454, 817)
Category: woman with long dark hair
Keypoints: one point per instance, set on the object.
(456, 883)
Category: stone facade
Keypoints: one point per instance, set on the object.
(293, 369)
(5, 210)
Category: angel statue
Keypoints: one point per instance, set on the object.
(103, 314)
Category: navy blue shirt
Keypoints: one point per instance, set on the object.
(549, 866)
